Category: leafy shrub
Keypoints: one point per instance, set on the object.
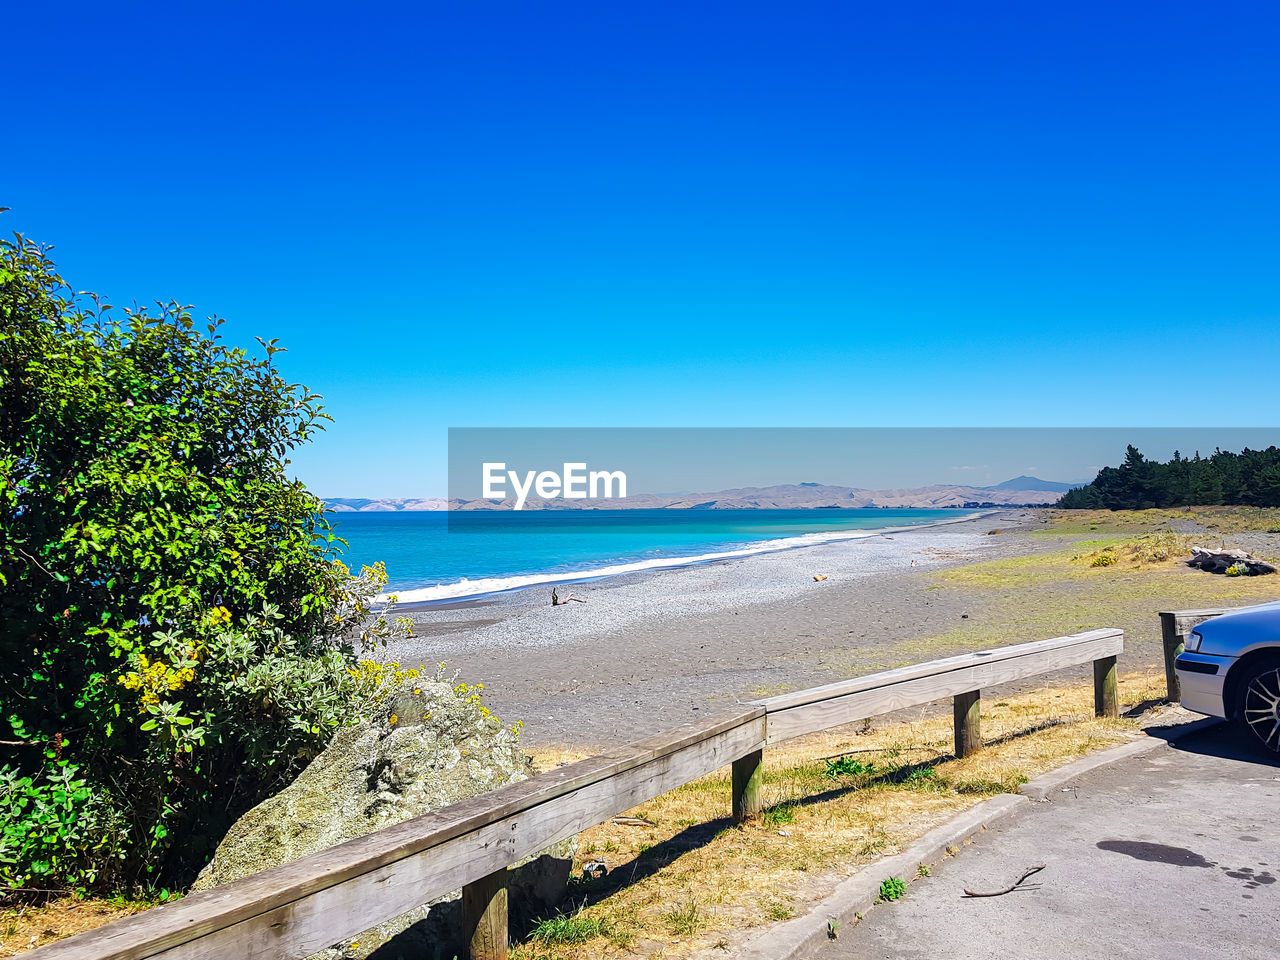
(848, 767)
(892, 888)
(1105, 558)
(55, 825)
(1238, 570)
(174, 626)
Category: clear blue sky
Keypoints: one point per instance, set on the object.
(674, 214)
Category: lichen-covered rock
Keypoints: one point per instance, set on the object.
(427, 746)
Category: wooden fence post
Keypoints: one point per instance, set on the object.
(484, 917)
(1173, 645)
(968, 722)
(1105, 700)
(748, 780)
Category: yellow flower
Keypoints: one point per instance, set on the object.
(394, 719)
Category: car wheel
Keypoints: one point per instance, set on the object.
(1258, 711)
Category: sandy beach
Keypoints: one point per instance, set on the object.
(652, 650)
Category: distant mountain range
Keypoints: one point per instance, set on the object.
(389, 505)
(1020, 492)
(1035, 483)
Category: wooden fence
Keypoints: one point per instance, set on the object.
(327, 898)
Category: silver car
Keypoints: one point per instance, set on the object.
(1231, 669)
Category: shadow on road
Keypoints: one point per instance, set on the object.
(1218, 740)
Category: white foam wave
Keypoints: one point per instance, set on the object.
(465, 588)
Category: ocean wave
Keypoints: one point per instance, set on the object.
(466, 589)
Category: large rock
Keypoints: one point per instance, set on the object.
(425, 748)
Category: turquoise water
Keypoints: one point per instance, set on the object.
(430, 557)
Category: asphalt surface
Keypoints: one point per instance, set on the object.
(1172, 854)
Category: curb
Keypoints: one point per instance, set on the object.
(806, 934)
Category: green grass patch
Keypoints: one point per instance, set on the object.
(576, 927)
(848, 767)
(685, 919)
(779, 814)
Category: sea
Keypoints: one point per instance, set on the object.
(433, 560)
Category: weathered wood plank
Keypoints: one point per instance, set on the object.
(300, 908)
(928, 669)
(1173, 643)
(794, 715)
(748, 786)
(1106, 699)
(966, 709)
(484, 917)
(1185, 621)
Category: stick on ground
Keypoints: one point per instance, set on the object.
(1009, 889)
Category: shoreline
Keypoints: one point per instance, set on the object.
(654, 648)
(609, 571)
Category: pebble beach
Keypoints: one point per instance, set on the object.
(650, 650)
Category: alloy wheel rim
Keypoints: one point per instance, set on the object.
(1262, 708)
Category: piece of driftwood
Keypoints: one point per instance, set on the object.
(1009, 889)
(557, 601)
(633, 822)
(1220, 561)
(819, 577)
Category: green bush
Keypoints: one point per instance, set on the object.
(892, 888)
(175, 629)
(56, 828)
(849, 767)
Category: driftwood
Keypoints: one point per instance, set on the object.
(1220, 561)
(556, 600)
(1009, 889)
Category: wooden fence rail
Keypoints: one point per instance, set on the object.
(302, 907)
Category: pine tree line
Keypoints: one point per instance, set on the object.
(1247, 478)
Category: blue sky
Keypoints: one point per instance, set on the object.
(674, 214)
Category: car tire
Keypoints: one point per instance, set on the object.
(1257, 710)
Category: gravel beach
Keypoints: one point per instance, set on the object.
(652, 650)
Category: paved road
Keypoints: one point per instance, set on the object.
(1174, 854)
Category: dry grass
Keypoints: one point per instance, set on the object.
(25, 928)
(1221, 520)
(1062, 591)
(694, 878)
